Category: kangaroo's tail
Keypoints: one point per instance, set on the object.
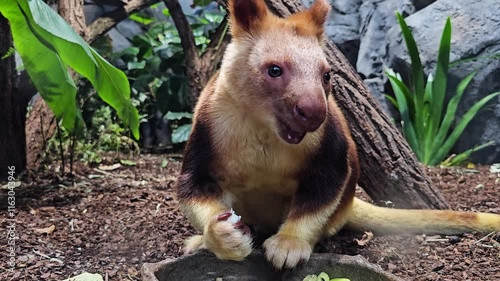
(387, 221)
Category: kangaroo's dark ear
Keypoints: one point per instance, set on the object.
(246, 16)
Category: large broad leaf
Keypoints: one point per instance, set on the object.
(181, 134)
(41, 35)
(48, 73)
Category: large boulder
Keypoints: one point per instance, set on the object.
(205, 266)
(378, 16)
(475, 32)
(343, 26)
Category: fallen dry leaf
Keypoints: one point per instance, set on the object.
(365, 239)
(47, 209)
(109, 167)
(47, 230)
(132, 271)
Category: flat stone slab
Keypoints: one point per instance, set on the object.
(204, 266)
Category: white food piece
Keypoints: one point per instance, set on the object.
(233, 218)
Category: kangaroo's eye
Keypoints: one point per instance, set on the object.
(274, 71)
(326, 77)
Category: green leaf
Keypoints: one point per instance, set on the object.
(201, 3)
(181, 134)
(127, 162)
(178, 115)
(340, 279)
(128, 54)
(311, 277)
(426, 120)
(136, 65)
(476, 58)
(440, 77)
(141, 18)
(446, 147)
(164, 163)
(9, 53)
(41, 33)
(417, 72)
(462, 157)
(409, 132)
(323, 277)
(451, 112)
(392, 100)
(45, 68)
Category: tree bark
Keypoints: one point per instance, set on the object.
(12, 109)
(104, 24)
(72, 11)
(389, 169)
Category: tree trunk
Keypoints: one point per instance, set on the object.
(12, 109)
(389, 169)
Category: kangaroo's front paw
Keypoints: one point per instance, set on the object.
(286, 251)
(228, 237)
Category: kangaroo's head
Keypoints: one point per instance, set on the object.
(276, 67)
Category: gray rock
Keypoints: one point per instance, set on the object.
(342, 27)
(205, 266)
(475, 32)
(420, 4)
(378, 16)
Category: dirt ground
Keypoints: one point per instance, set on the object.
(111, 222)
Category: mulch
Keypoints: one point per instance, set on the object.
(111, 222)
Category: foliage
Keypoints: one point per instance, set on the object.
(323, 277)
(156, 70)
(107, 135)
(48, 46)
(421, 105)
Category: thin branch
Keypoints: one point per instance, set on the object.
(217, 40)
(215, 50)
(61, 148)
(185, 32)
(104, 24)
(72, 151)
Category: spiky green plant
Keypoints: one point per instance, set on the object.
(425, 121)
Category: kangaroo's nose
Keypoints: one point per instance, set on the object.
(310, 113)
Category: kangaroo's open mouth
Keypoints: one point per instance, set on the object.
(289, 134)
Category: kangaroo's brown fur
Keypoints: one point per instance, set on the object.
(247, 150)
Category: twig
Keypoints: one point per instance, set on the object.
(103, 24)
(48, 257)
(484, 238)
(42, 131)
(60, 147)
(185, 32)
(72, 151)
(41, 254)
